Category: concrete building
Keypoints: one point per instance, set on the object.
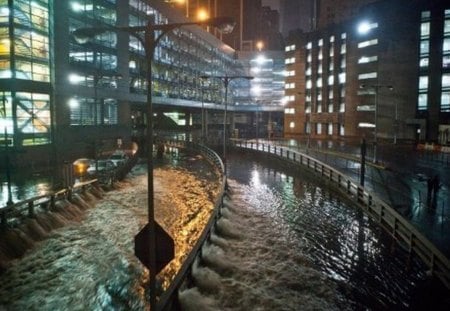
(383, 74)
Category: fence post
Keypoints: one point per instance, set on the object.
(4, 220)
(31, 208)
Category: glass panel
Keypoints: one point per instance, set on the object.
(425, 29)
(424, 47)
(33, 117)
(422, 102)
(424, 62)
(423, 82)
(446, 45)
(445, 102)
(447, 26)
(446, 80)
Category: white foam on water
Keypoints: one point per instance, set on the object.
(192, 300)
(90, 264)
(263, 269)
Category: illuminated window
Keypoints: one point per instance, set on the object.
(369, 75)
(330, 80)
(33, 118)
(367, 43)
(445, 101)
(292, 124)
(290, 48)
(289, 85)
(330, 128)
(445, 80)
(319, 128)
(424, 47)
(330, 107)
(423, 82)
(424, 62)
(319, 82)
(367, 59)
(290, 60)
(422, 102)
(289, 110)
(425, 29)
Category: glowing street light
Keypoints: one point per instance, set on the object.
(202, 14)
(146, 36)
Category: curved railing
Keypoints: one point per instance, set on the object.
(26, 208)
(169, 298)
(399, 228)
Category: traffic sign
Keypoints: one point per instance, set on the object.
(165, 247)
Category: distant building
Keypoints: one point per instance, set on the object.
(254, 22)
(383, 72)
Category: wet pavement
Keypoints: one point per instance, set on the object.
(399, 178)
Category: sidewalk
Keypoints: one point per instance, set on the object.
(400, 179)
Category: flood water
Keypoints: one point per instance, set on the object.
(285, 243)
(341, 242)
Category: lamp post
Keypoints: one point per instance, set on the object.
(376, 87)
(226, 81)
(7, 162)
(152, 34)
(202, 88)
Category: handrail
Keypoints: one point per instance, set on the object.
(169, 298)
(46, 199)
(398, 227)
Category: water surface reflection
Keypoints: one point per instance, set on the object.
(338, 237)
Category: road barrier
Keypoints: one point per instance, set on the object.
(169, 298)
(407, 236)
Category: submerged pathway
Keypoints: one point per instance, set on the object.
(253, 263)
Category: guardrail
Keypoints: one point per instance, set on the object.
(408, 237)
(26, 208)
(45, 201)
(169, 298)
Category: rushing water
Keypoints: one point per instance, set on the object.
(340, 241)
(284, 242)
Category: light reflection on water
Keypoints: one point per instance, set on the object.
(338, 237)
(24, 186)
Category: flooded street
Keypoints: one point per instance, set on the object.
(89, 263)
(284, 242)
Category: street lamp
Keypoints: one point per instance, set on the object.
(376, 87)
(7, 162)
(225, 80)
(149, 41)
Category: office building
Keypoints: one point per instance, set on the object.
(381, 75)
(61, 100)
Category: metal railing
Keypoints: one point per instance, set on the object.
(407, 236)
(26, 208)
(169, 298)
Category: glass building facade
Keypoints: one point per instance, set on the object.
(25, 72)
(69, 97)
